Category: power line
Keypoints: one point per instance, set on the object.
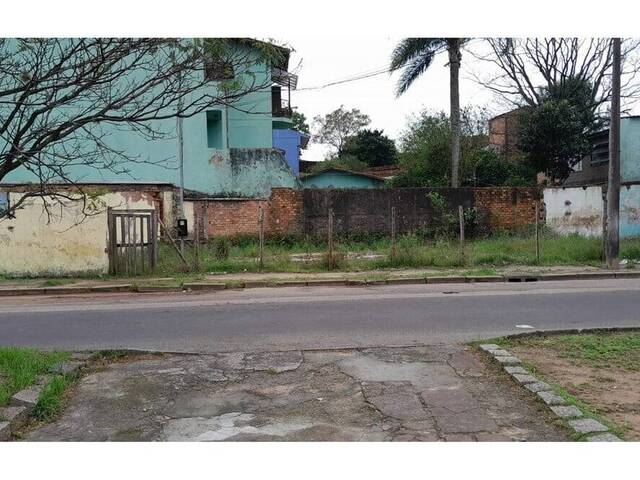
(360, 76)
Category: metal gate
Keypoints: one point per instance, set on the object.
(132, 241)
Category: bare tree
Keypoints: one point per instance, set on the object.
(526, 67)
(336, 127)
(61, 98)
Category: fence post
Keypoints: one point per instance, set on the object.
(537, 232)
(196, 242)
(393, 233)
(461, 220)
(330, 238)
(604, 223)
(261, 223)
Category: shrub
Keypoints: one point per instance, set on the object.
(221, 248)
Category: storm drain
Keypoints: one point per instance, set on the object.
(522, 279)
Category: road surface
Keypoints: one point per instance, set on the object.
(315, 317)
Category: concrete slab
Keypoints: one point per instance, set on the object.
(569, 411)
(603, 437)
(377, 394)
(551, 398)
(587, 425)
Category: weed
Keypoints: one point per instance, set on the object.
(50, 399)
(20, 367)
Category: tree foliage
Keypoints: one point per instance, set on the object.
(336, 127)
(371, 147)
(425, 148)
(299, 120)
(60, 98)
(555, 135)
(344, 161)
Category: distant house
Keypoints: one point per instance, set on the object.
(503, 134)
(594, 168)
(340, 178)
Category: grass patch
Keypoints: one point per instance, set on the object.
(412, 251)
(50, 399)
(587, 410)
(599, 350)
(20, 367)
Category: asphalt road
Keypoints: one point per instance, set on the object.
(315, 317)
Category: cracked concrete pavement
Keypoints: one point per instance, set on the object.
(434, 393)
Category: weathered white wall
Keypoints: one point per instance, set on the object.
(574, 210)
(67, 243)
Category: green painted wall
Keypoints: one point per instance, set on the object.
(245, 124)
(339, 180)
(630, 149)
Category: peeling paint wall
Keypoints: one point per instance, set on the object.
(630, 211)
(67, 243)
(580, 210)
(574, 210)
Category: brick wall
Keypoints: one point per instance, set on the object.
(284, 215)
(237, 217)
(507, 208)
(288, 211)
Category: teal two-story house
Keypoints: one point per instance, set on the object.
(232, 150)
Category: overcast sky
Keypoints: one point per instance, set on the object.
(322, 60)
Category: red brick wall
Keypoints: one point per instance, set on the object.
(507, 208)
(284, 212)
(499, 208)
(237, 217)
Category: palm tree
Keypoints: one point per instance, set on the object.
(415, 55)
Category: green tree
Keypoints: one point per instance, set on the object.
(372, 147)
(344, 161)
(555, 135)
(414, 56)
(425, 147)
(334, 128)
(491, 170)
(299, 120)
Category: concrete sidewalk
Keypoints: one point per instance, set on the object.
(212, 282)
(436, 393)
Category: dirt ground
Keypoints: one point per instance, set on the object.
(611, 391)
(435, 393)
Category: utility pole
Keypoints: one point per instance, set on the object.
(612, 241)
(181, 164)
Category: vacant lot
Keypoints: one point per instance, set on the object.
(602, 372)
(412, 251)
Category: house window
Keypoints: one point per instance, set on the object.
(4, 204)
(214, 129)
(217, 70)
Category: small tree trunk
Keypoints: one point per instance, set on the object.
(454, 74)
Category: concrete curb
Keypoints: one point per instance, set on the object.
(570, 415)
(23, 402)
(214, 286)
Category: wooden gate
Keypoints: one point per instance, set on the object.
(132, 241)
